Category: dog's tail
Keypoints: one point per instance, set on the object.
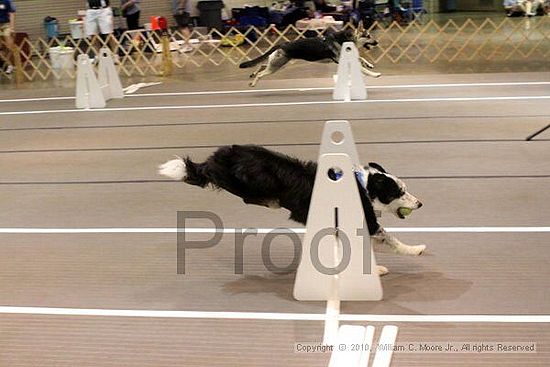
(262, 57)
(180, 169)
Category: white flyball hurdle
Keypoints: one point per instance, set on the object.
(336, 228)
(94, 91)
(337, 262)
(349, 79)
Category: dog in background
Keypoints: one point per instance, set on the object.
(317, 49)
(263, 177)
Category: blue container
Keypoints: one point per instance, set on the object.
(52, 28)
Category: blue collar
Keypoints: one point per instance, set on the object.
(359, 175)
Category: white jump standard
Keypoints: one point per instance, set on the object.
(337, 205)
(349, 79)
(94, 91)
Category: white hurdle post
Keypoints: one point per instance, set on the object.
(88, 92)
(334, 220)
(349, 80)
(92, 91)
(332, 238)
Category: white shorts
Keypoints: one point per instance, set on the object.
(99, 18)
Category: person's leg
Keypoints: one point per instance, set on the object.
(132, 21)
(92, 28)
(186, 32)
(538, 5)
(183, 21)
(528, 8)
(3, 48)
(10, 43)
(106, 27)
(6, 48)
(521, 8)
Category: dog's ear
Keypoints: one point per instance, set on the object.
(375, 184)
(377, 166)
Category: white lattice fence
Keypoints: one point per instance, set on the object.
(141, 54)
(451, 42)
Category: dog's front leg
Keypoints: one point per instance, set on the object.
(383, 238)
(366, 63)
(368, 72)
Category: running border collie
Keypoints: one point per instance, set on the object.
(263, 177)
(316, 49)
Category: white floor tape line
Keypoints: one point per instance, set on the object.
(277, 104)
(521, 319)
(304, 89)
(267, 230)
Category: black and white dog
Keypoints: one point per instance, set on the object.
(263, 177)
(313, 49)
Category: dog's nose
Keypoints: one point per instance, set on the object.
(419, 205)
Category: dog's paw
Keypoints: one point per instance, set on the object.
(252, 84)
(381, 270)
(416, 250)
(376, 75)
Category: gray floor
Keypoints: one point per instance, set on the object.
(469, 161)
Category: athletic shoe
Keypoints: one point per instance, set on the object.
(186, 48)
(10, 69)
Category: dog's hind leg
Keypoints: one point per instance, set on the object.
(383, 238)
(276, 61)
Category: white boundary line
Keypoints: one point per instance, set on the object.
(304, 89)
(268, 230)
(274, 104)
(273, 315)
